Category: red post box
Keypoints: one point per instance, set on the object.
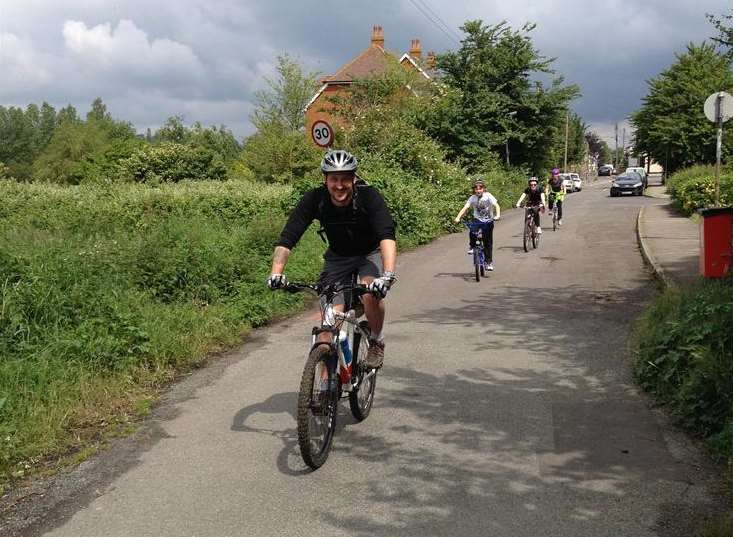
(716, 241)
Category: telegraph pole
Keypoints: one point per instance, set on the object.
(615, 151)
(567, 120)
(623, 144)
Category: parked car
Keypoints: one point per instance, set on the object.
(606, 169)
(567, 182)
(577, 182)
(627, 183)
(641, 171)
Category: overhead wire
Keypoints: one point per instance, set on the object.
(439, 19)
(435, 22)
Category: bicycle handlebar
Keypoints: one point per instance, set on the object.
(333, 288)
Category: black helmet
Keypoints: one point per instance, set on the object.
(338, 161)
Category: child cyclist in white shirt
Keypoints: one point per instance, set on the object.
(485, 212)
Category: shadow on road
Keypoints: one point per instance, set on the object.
(474, 461)
(288, 459)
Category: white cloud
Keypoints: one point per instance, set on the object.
(126, 51)
(205, 58)
(21, 64)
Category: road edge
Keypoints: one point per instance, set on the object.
(647, 255)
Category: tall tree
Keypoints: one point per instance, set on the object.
(671, 126)
(494, 103)
(23, 135)
(287, 96)
(278, 151)
(598, 148)
(722, 24)
(173, 130)
(98, 111)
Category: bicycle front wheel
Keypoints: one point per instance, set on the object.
(317, 406)
(477, 262)
(527, 233)
(361, 397)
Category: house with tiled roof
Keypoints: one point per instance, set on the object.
(372, 61)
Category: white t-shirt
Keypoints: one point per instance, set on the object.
(483, 208)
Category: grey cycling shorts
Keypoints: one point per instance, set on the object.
(338, 268)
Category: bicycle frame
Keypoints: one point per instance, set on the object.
(333, 321)
(554, 199)
(479, 255)
(529, 234)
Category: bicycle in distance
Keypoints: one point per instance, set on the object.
(479, 253)
(530, 235)
(333, 369)
(555, 209)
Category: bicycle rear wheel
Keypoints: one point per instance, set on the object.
(362, 396)
(317, 406)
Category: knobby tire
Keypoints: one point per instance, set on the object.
(361, 398)
(315, 453)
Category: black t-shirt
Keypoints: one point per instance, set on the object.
(556, 184)
(355, 229)
(534, 197)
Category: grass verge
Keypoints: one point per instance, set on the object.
(684, 357)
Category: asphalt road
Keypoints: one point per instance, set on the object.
(505, 408)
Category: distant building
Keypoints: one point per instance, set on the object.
(372, 61)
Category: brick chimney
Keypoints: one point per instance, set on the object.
(416, 49)
(430, 63)
(377, 36)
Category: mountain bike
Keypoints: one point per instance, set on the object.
(334, 369)
(555, 216)
(529, 231)
(479, 254)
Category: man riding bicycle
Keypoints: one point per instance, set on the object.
(486, 211)
(361, 237)
(535, 200)
(555, 192)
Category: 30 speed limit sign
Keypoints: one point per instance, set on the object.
(322, 133)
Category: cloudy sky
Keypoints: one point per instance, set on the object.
(203, 59)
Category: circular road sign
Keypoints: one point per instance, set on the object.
(322, 133)
(726, 106)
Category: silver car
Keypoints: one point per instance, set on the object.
(577, 182)
(567, 181)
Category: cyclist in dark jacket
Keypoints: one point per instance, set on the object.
(535, 199)
(555, 193)
(361, 237)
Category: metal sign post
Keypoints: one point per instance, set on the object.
(718, 145)
(718, 108)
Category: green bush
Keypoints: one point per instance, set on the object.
(104, 289)
(173, 162)
(684, 347)
(277, 154)
(694, 188)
